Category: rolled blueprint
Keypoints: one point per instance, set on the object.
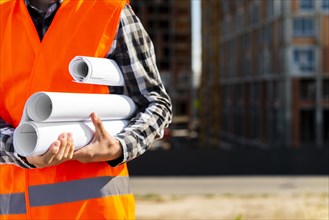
(32, 138)
(47, 114)
(55, 106)
(95, 70)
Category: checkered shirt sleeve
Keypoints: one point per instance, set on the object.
(135, 55)
(7, 154)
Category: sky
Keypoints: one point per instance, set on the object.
(196, 41)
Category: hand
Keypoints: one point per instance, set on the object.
(103, 147)
(59, 151)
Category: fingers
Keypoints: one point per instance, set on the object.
(63, 139)
(99, 128)
(59, 151)
(66, 148)
(69, 150)
(48, 157)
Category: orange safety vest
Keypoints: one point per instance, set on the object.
(71, 190)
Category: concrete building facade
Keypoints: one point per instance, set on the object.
(168, 23)
(209, 91)
(274, 72)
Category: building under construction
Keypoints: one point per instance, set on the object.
(209, 91)
(168, 22)
(265, 75)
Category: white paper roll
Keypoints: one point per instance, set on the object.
(54, 106)
(95, 70)
(31, 138)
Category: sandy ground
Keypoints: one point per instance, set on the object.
(236, 198)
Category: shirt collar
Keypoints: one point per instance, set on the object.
(27, 3)
(53, 6)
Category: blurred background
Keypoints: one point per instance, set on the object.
(249, 82)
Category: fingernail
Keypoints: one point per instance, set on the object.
(56, 147)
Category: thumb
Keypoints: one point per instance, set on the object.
(99, 128)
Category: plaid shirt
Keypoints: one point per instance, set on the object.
(133, 50)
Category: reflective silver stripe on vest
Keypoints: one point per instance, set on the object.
(13, 203)
(77, 190)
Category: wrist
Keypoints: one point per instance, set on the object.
(117, 150)
(118, 158)
(26, 161)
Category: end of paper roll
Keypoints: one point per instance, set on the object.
(25, 139)
(39, 107)
(96, 70)
(79, 69)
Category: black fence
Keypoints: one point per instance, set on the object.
(196, 162)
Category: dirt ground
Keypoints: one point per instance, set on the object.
(297, 201)
(235, 207)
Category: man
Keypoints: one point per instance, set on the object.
(38, 38)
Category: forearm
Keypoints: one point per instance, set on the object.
(7, 153)
(145, 127)
(134, 53)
